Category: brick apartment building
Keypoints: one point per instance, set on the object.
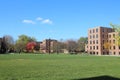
(46, 46)
(98, 37)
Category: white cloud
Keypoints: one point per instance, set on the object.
(42, 20)
(47, 21)
(39, 18)
(28, 21)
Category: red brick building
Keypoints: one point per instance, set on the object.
(46, 46)
(101, 41)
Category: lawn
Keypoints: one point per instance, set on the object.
(57, 67)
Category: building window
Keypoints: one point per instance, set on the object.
(93, 36)
(93, 31)
(110, 41)
(96, 35)
(90, 31)
(90, 42)
(90, 52)
(103, 41)
(113, 47)
(114, 53)
(87, 46)
(97, 53)
(103, 47)
(110, 30)
(90, 37)
(93, 42)
(103, 36)
(103, 30)
(96, 30)
(107, 40)
(109, 36)
(93, 47)
(97, 47)
(110, 47)
(113, 35)
(114, 41)
(96, 41)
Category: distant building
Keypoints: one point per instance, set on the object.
(0, 42)
(38, 46)
(99, 38)
(47, 45)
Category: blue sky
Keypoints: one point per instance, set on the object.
(57, 19)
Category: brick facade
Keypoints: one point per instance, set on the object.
(46, 46)
(101, 41)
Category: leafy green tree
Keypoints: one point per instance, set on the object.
(81, 43)
(22, 42)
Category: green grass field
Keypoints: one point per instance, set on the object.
(57, 67)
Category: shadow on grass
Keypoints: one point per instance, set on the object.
(99, 78)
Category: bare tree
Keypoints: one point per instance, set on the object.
(58, 46)
(8, 43)
(71, 45)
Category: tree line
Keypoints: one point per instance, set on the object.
(71, 46)
(26, 43)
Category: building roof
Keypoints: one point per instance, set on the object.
(100, 27)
